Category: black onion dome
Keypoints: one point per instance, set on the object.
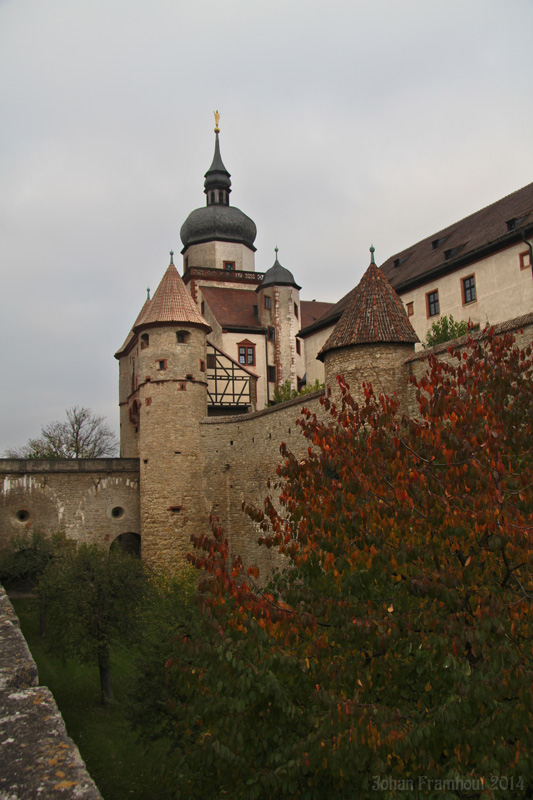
(278, 276)
(218, 223)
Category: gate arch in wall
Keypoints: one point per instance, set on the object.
(128, 543)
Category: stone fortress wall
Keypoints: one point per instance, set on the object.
(189, 472)
(91, 500)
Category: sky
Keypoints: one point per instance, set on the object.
(344, 123)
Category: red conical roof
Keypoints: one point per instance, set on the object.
(170, 303)
(374, 314)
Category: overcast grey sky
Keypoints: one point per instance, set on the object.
(344, 123)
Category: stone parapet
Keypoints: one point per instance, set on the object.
(37, 758)
(39, 465)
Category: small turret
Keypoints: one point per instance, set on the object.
(372, 339)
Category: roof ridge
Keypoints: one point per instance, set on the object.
(458, 222)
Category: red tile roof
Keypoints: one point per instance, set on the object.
(170, 303)
(374, 313)
(232, 308)
(313, 310)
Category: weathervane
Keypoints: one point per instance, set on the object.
(217, 118)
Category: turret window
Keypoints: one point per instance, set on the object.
(296, 310)
(271, 334)
(271, 374)
(182, 337)
(268, 302)
(145, 340)
(229, 266)
(162, 364)
(298, 346)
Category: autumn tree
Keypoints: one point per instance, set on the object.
(83, 434)
(394, 650)
(91, 597)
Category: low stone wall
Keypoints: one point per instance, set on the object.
(37, 758)
(91, 500)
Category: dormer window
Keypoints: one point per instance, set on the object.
(515, 222)
(452, 252)
(399, 261)
(438, 242)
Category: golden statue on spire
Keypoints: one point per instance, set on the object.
(217, 118)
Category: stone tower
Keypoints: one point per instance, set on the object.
(279, 311)
(371, 341)
(163, 398)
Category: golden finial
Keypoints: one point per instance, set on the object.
(217, 118)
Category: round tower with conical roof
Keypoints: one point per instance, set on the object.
(371, 341)
(218, 236)
(163, 396)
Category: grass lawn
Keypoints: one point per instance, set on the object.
(119, 765)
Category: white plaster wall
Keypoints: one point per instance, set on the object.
(503, 292)
(311, 346)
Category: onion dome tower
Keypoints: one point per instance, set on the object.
(372, 339)
(218, 234)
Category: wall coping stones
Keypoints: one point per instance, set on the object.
(510, 325)
(37, 758)
(296, 401)
(40, 465)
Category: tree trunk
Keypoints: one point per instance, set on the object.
(104, 665)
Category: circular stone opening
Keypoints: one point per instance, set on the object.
(117, 512)
(22, 515)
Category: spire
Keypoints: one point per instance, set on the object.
(372, 251)
(374, 314)
(171, 303)
(217, 184)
